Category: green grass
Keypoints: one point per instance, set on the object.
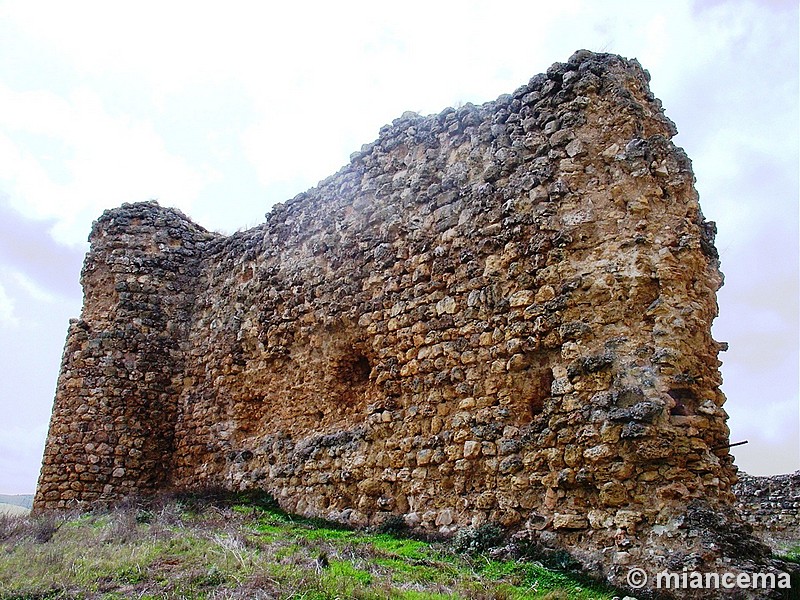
(792, 554)
(405, 548)
(191, 549)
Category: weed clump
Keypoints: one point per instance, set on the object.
(144, 516)
(40, 529)
(479, 540)
(43, 528)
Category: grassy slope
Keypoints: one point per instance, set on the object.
(250, 551)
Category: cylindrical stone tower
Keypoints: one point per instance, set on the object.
(112, 427)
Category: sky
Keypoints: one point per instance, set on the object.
(222, 110)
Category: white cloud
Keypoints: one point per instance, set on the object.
(13, 283)
(108, 160)
(34, 291)
(7, 317)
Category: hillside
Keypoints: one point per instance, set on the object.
(24, 500)
(250, 549)
(12, 509)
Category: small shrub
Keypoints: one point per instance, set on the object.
(43, 528)
(11, 527)
(123, 527)
(528, 549)
(478, 540)
(144, 516)
(395, 525)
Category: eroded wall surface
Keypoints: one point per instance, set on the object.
(772, 506)
(497, 313)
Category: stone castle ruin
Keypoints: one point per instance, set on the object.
(500, 313)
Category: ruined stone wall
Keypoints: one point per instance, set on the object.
(497, 313)
(772, 506)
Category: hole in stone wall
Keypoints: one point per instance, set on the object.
(685, 401)
(351, 373)
(534, 389)
(536, 406)
(361, 368)
(352, 368)
(542, 386)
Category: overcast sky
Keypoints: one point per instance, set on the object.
(224, 110)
